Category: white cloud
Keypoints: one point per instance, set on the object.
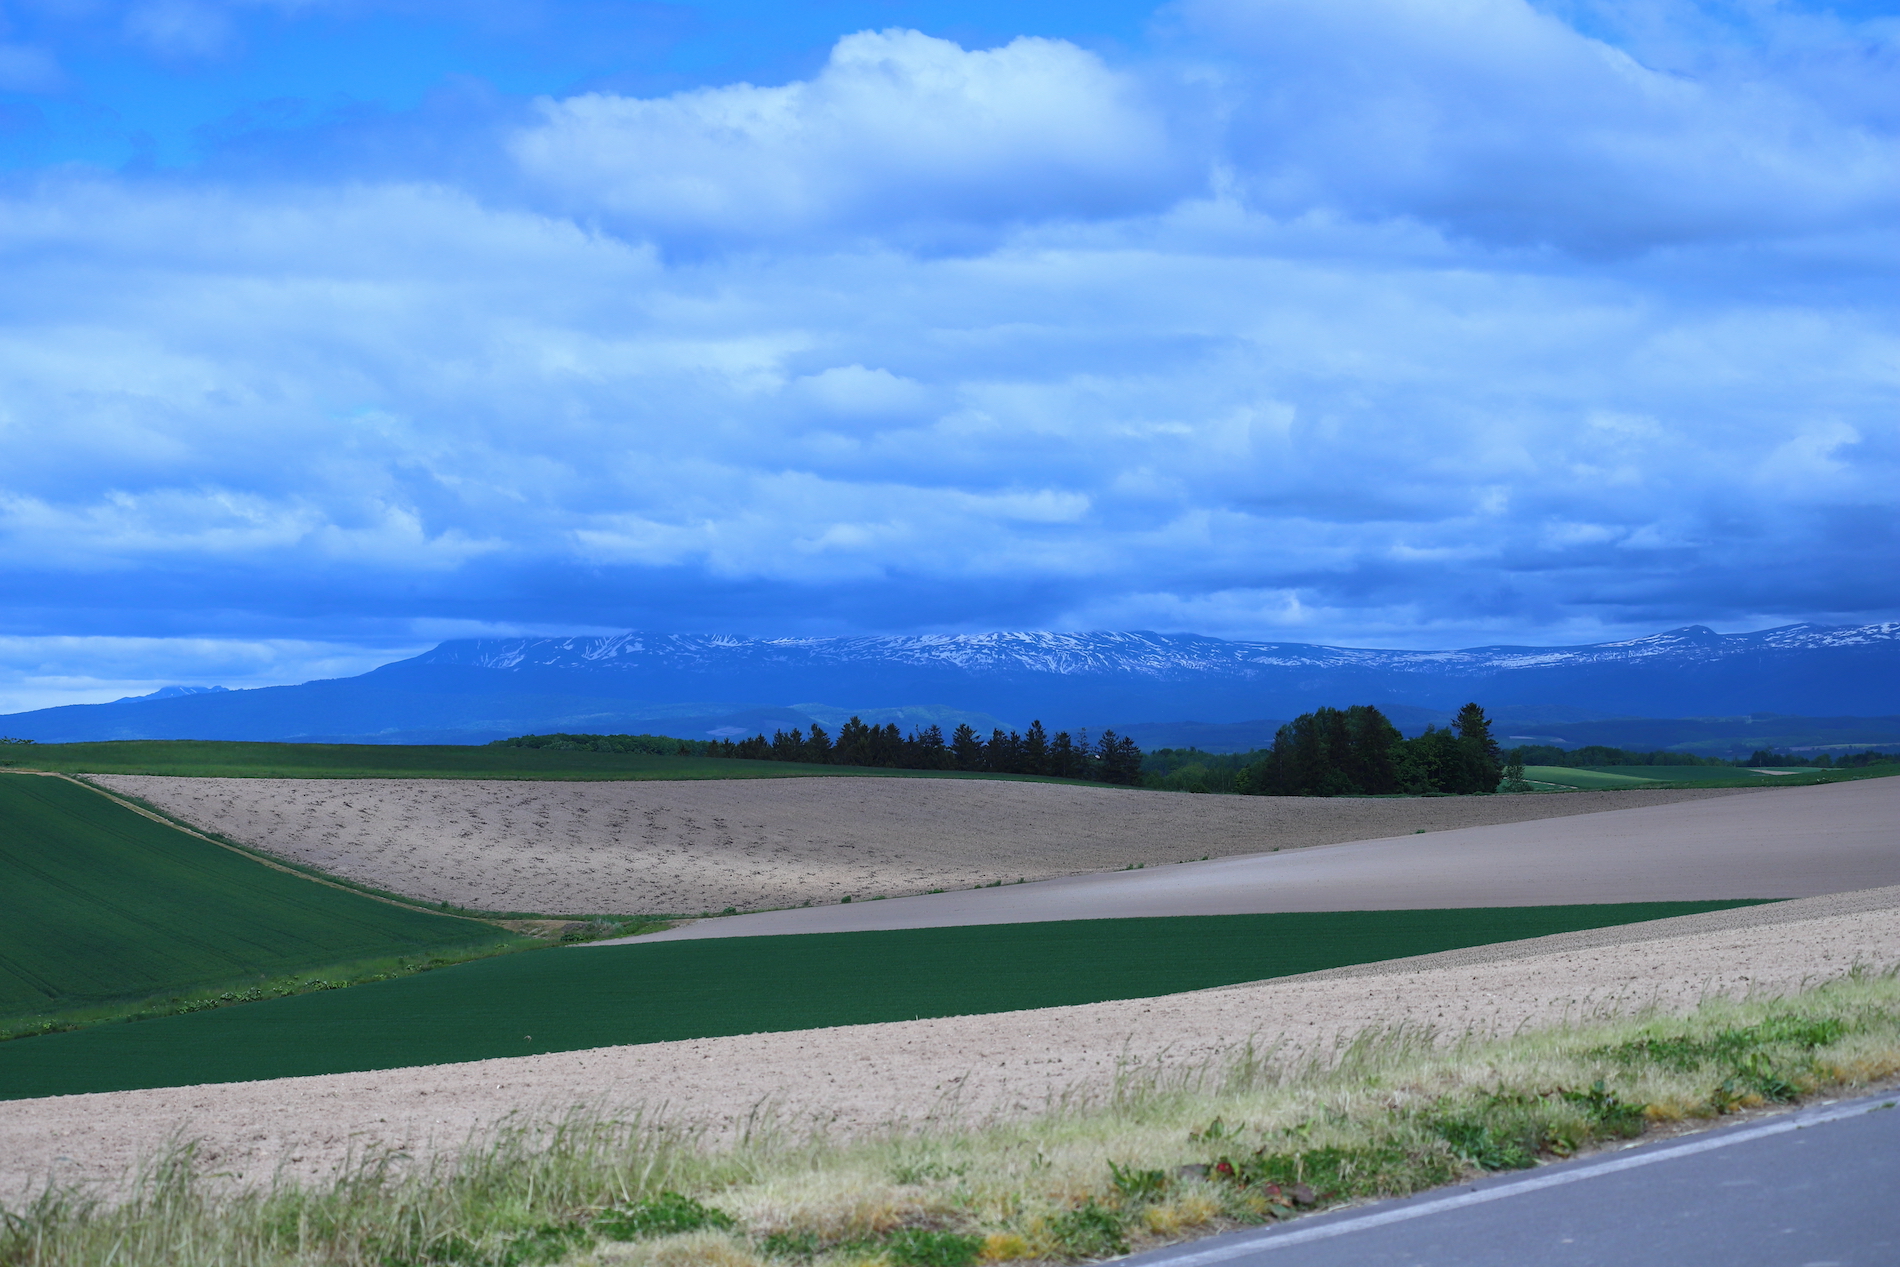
(851, 391)
(1322, 395)
(50, 671)
(899, 132)
(1501, 122)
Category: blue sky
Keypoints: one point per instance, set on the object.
(331, 328)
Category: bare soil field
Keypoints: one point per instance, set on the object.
(1789, 842)
(872, 1078)
(688, 847)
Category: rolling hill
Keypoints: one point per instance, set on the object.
(100, 904)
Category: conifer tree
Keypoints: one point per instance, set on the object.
(1119, 760)
(966, 748)
(886, 746)
(818, 747)
(1064, 761)
(854, 743)
(1001, 751)
(1035, 750)
(931, 751)
(1483, 759)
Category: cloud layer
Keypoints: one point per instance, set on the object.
(1385, 322)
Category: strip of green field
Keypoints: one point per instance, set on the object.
(100, 904)
(1632, 776)
(566, 1000)
(208, 758)
(1567, 776)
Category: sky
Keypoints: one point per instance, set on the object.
(330, 329)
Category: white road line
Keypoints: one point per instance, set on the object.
(1555, 1177)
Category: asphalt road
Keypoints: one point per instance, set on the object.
(1817, 1188)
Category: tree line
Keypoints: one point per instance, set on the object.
(1825, 761)
(1357, 751)
(1111, 758)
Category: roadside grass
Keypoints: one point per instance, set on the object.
(207, 758)
(1164, 1154)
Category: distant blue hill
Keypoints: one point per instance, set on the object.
(473, 690)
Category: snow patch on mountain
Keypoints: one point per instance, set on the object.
(1139, 653)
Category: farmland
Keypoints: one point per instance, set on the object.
(100, 905)
(1610, 777)
(688, 846)
(568, 1000)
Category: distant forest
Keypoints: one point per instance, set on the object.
(1354, 751)
(1328, 752)
(1597, 755)
(1111, 758)
(1192, 770)
(1357, 751)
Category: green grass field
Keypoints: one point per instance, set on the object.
(565, 1000)
(1629, 776)
(99, 904)
(217, 758)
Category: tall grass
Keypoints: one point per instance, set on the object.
(1161, 1153)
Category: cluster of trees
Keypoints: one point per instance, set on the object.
(642, 745)
(1111, 758)
(1847, 761)
(1193, 770)
(1358, 752)
(1596, 755)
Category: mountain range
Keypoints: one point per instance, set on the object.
(472, 690)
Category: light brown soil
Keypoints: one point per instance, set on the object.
(864, 1078)
(682, 848)
(1788, 842)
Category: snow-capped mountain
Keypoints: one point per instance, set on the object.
(1163, 657)
(480, 688)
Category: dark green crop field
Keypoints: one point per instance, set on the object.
(565, 1000)
(1624, 776)
(218, 758)
(99, 904)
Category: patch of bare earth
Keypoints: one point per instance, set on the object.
(869, 1078)
(688, 847)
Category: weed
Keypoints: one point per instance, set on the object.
(915, 1173)
(667, 1214)
(1684, 1053)
(1216, 1130)
(1090, 1230)
(1002, 1247)
(1133, 1185)
(1611, 1114)
(1480, 1143)
(797, 1244)
(1341, 1172)
(923, 1247)
(546, 1243)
